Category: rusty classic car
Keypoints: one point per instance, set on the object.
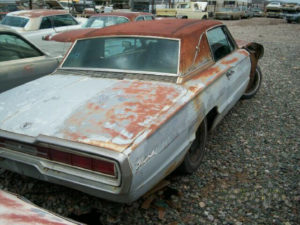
(128, 105)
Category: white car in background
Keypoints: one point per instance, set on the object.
(35, 24)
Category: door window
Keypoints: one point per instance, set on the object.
(220, 42)
(140, 18)
(149, 18)
(13, 47)
(63, 20)
(46, 23)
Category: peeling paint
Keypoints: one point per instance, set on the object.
(15, 211)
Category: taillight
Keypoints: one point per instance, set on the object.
(104, 167)
(85, 162)
(81, 161)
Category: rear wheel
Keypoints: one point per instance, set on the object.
(255, 84)
(194, 156)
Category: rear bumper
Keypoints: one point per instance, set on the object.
(117, 189)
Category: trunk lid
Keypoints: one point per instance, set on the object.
(107, 113)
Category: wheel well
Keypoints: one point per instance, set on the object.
(210, 117)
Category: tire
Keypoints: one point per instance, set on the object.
(195, 154)
(253, 89)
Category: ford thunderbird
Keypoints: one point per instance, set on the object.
(128, 105)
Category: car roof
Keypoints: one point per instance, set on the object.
(37, 13)
(170, 28)
(188, 31)
(130, 15)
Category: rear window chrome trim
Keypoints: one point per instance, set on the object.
(125, 71)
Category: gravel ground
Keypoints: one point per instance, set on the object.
(251, 171)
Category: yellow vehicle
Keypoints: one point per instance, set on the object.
(185, 10)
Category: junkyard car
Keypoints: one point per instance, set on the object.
(229, 14)
(291, 12)
(257, 12)
(21, 61)
(100, 21)
(247, 13)
(295, 17)
(34, 24)
(128, 105)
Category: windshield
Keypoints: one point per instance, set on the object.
(104, 21)
(139, 54)
(14, 21)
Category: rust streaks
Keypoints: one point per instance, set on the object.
(245, 53)
(8, 202)
(207, 73)
(28, 219)
(228, 62)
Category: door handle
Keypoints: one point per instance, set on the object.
(229, 73)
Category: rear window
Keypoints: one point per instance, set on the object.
(139, 54)
(14, 21)
(104, 21)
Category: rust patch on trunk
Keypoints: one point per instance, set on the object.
(118, 114)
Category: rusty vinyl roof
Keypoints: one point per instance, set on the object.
(38, 13)
(171, 28)
(187, 30)
(130, 15)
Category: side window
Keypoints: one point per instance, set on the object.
(63, 20)
(183, 6)
(149, 18)
(140, 18)
(46, 23)
(122, 20)
(13, 47)
(220, 42)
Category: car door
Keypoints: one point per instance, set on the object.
(21, 62)
(50, 25)
(235, 64)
